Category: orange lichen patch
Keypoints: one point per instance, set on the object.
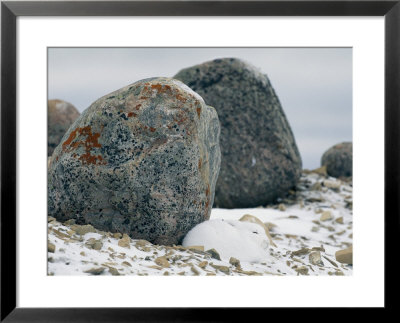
(180, 97)
(208, 190)
(143, 98)
(198, 111)
(138, 106)
(152, 129)
(161, 88)
(132, 114)
(87, 159)
(200, 161)
(90, 142)
(71, 137)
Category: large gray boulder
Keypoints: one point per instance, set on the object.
(260, 159)
(61, 115)
(339, 160)
(142, 160)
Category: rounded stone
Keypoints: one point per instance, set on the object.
(142, 160)
(61, 115)
(260, 158)
(339, 160)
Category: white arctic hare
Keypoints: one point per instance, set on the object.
(253, 219)
(231, 238)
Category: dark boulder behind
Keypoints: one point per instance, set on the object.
(260, 159)
(339, 160)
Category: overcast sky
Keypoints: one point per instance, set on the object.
(314, 85)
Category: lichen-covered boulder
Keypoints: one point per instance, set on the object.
(339, 160)
(142, 160)
(61, 115)
(260, 160)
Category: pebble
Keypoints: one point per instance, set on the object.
(320, 171)
(202, 264)
(113, 271)
(95, 271)
(334, 185)
(117, 235)
(125, 263)
(83, 229)
(125, 241)
(235, 262)
(331, 261)
(300, 252)
(326, 216)
(282, 207)
(214, 254)
(224, 269)
(69, 222)
(94, 244)
(345, 256)
(339, 220)
(51, 247)
(302, 270)
(315, 258)
(195, 271)
(141, 243)
(162, 261)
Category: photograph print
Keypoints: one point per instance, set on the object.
(200, 161)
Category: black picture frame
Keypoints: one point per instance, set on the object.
(10, 10)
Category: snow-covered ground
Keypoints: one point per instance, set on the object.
(308, 228)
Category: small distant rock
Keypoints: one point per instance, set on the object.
(345, 256)
(282, 207)
(61, 115)
(214, 253)
(326, 216)
(339, 160)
